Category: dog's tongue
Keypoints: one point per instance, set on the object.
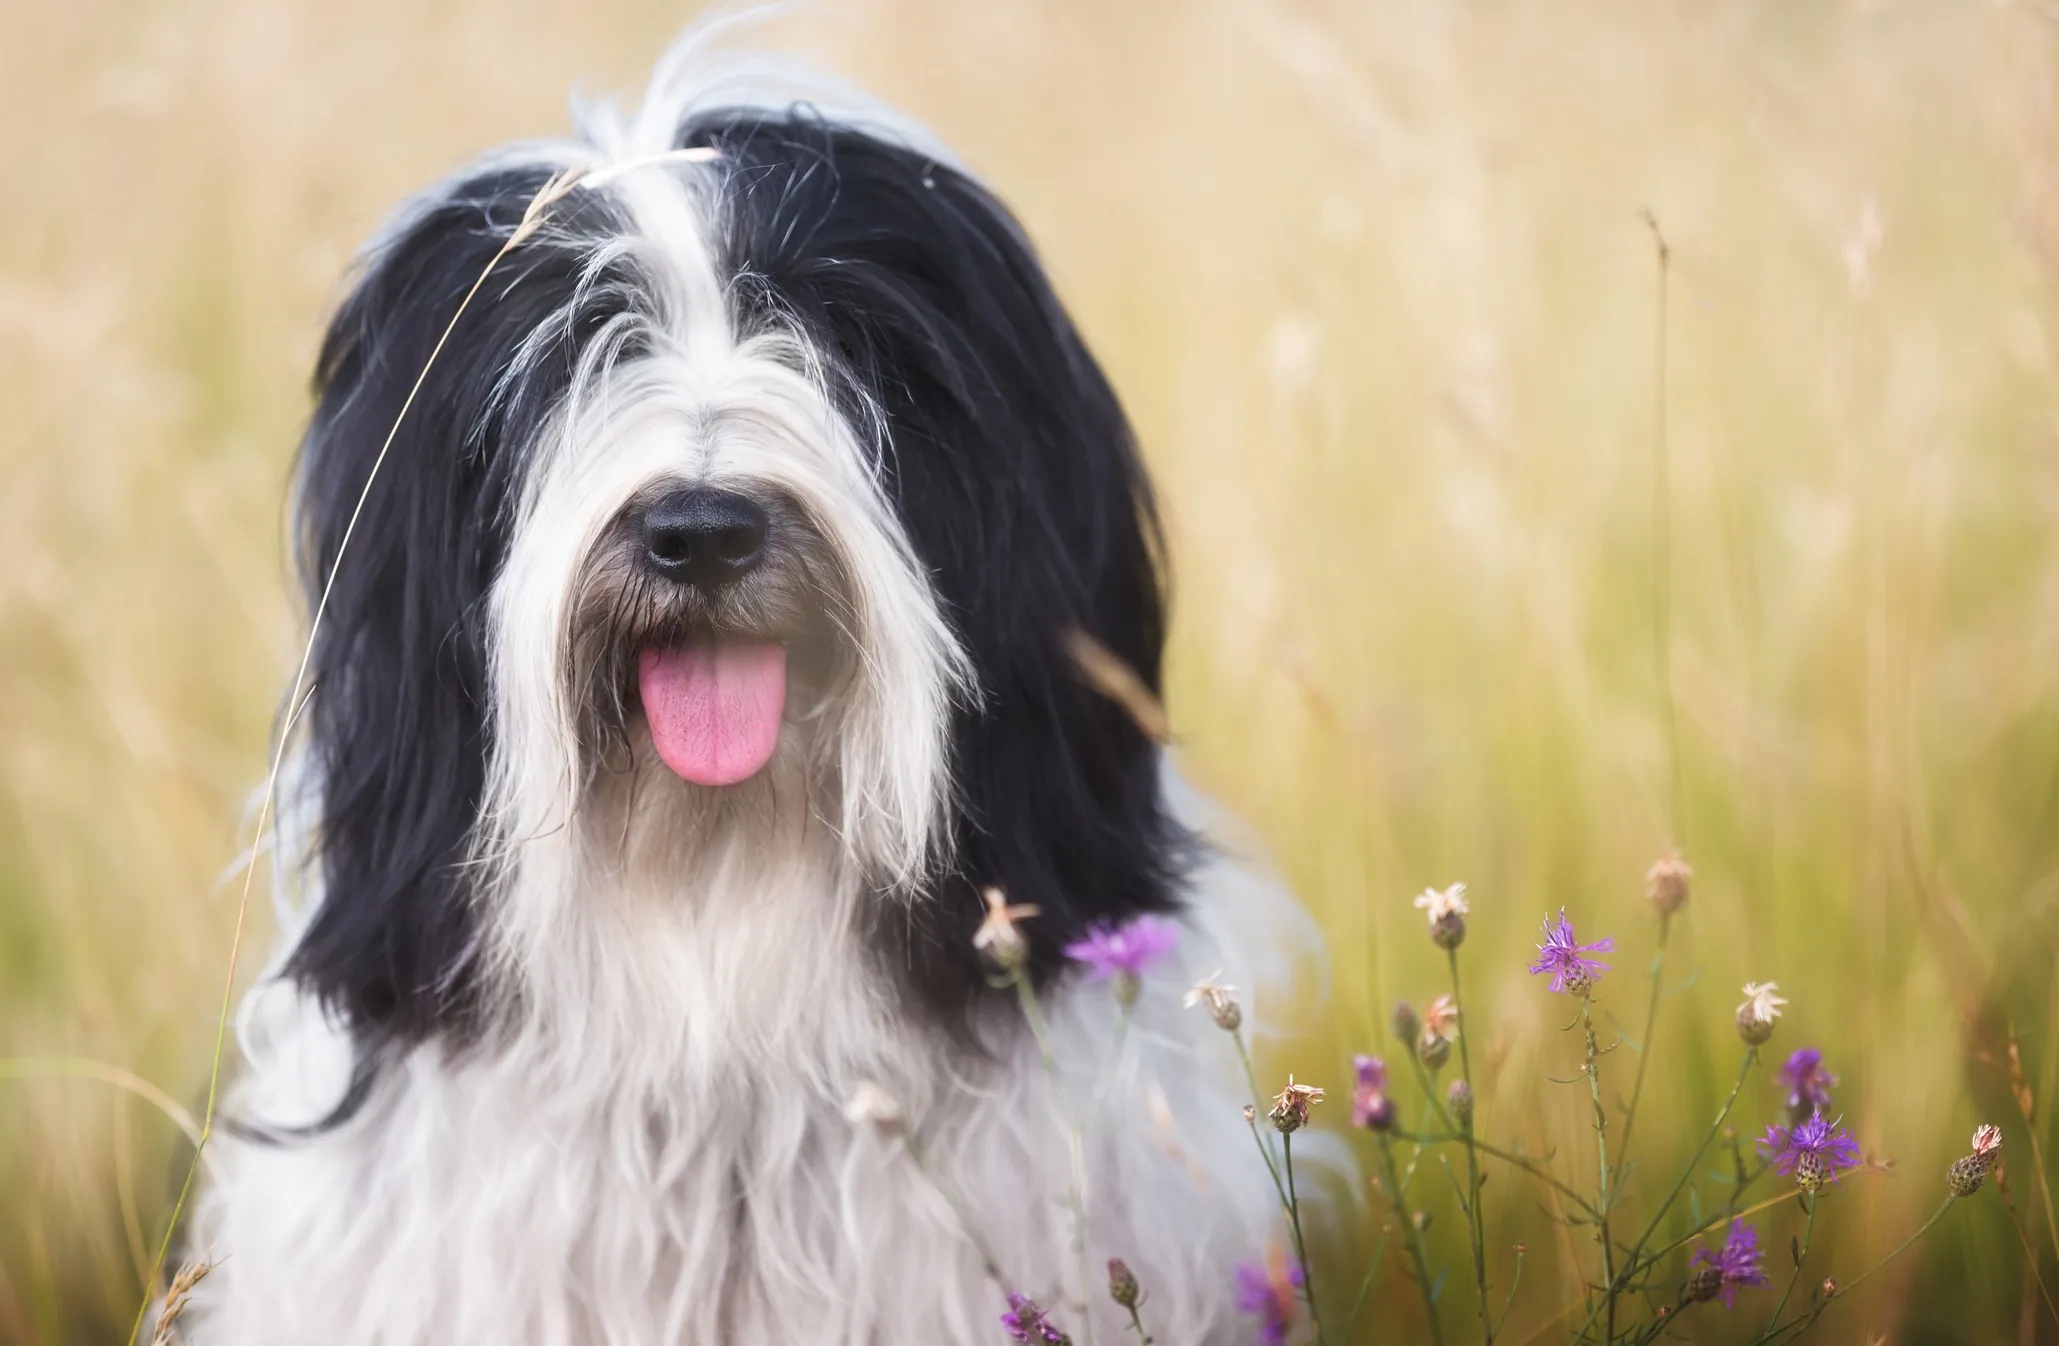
(714, 708)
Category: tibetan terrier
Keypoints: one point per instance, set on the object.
(695, 600)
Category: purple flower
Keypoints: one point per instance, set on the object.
(1370, 1105)
(1560, 955)
(1125, 950)
(1738, 1262)
(1268, 1290)
(1026, 1322)
(1813, 1152)
(1807, 1083)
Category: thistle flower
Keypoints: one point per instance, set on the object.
(1459, 1098)
(1561, 956)
(1370, 1106)
(1122, 1284)
(1966, 1174)
(1124, 953)
(1222, 1006)
(1447, 910)
(1026, 1322)
(1406, 1024)
(1290, 1109)
(1807, 1083)
(1666, 882)
(1812, 1152)
(1737, 1262)
(1268, 1290)
(997, 937)
(1761, 1007)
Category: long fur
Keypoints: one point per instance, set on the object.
(556, 1046)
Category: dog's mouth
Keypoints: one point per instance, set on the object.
(714, 706)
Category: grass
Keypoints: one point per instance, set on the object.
(1377, 287)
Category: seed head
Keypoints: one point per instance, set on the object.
(1433, 1050)
(1756, 1016)
(1446, 909)
(1406, 1024)
(1460, 1100)
(1966, 1174)
(1122, 1283)
(1222, 1006)
(997, 937)
(1666, 882)
(1290, 1109)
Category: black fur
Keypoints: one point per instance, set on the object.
(1008, 458)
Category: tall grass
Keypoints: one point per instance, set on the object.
(1375, 284)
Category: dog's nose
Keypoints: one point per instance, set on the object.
(705, 537)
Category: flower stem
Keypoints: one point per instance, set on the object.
(1523, 1162)
(1315, 1319)
(1474, 1229)
(1632, 1262)
(1803, 1320)
(1366, 1284)
(1601, 1155)
(1651, 1018)
(1801, 1255)
(1137, 1326)
(1411, 1238)
(1075, 1143)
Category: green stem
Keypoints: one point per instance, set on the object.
(1633, 1263)
(1803, 1320)
(1474, 1229)
(1651, 1018)
(1075, 1144)
(1514, 1281)
(1315, 1319)
(1411, 1238)
(1523, 1162)
(1601, 1155)
(1801, 1256)
(1137, 1326)
(1372, 1270)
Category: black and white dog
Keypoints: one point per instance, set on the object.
(694, 658)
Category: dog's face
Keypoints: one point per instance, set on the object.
(745, 508)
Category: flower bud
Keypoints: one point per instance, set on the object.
(1460, 1100)
(1966, 1174)
(1434, 1050)
(1666, 883)
(1448, 931)
(1705, 1284)
(1579, 982)
(1122, 1283)
(1406, 1024)
(1810, 1171)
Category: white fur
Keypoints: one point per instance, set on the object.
(649, 1146)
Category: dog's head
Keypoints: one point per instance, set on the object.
(742, 506)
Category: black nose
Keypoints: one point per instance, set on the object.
(704, 536)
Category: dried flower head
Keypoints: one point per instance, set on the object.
(1124, 953)
(1222, 1006)
(1761, 1007)
(1122, 1284)
(1807, 1083)
(1447, 911)
(1813, 1152)
(1290, 1109)
(1459, 1098)
(1441, 1019)
(1564, 957)
(1666, 882)
(1966, 1174)
(997, 938)
(1406, 1024)
(1737, 1262)
(1026, 1322)
(1433, 1051)
(1269, 1290)
(1370, 1105)
(870, 1105)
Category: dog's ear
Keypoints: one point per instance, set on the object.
(1019, 484)
(404, 502)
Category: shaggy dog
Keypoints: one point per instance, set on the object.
(696, 603)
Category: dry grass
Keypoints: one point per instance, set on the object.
(1374, 282)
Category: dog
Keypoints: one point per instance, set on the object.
(700, 519)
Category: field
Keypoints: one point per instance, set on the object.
(1490, 565)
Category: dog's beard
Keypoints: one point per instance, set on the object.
(637, 635)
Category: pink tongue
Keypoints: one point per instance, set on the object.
(714, 709)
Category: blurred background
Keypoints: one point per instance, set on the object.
(1375, 282)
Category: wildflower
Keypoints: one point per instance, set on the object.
(1440, 1027)
(1813, 1152)
(873, 1106)
(1808, 1084)
(1026, 1322)
(1433, 1050)
(1222, 1006)
(1560, 955)
(1460, 1100)
(1737, 1262)
(1125, 952)
(1756, 1015)
(1268, 1290)
(1406, 1025)
(1370, 1106)
(997, 936)
(1290, 1109)
(1666, 882)
(1447, 911)
(1122, 1284)
(1966, 1174)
